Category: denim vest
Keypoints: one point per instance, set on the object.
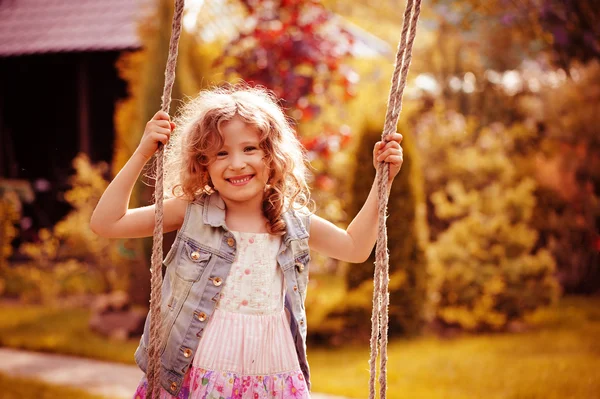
(197, 266)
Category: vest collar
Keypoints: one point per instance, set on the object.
(214, 215)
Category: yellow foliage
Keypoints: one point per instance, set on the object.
(66, 259)
(12, 194)
(484, 271)
(10, 212)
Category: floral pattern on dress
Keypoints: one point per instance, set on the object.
(207, 384)
(255, 282)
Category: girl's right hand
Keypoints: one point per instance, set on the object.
(158, 130)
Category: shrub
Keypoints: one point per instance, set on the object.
(70, 258)
(12, 193)
(485, 269)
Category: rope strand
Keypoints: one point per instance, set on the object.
(153, 371)
(379, 318)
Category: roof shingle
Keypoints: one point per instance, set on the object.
(50, 26)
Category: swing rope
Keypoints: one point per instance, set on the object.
(379, 318)
(153, 370)
(381, 296)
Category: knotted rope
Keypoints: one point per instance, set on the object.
(153, 371)
(381, 296)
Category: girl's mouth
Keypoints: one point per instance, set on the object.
(240, 180)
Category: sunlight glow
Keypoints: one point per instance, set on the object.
(427, 82)
(190, 17)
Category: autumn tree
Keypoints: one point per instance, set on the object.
(566, 32)
(544, 77)
(297, 49)
(568, 170)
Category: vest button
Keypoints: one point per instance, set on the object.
(217, 281)
(301, 322)
(230, 242)
(300, 266)
(187, 352)
(173, 386)
(201, 316)
(295, 288)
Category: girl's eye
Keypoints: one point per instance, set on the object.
(250, 148)
(221, 153)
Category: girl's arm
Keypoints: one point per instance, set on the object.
(356, 242)
(112, 218)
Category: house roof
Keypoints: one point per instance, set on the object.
(51, 26)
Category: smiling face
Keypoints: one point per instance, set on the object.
(238, 170)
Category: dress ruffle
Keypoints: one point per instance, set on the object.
(208, 384)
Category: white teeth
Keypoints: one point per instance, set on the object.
(238, 181)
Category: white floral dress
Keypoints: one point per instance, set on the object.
(246, 351)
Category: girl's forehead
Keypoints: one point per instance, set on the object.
(237, 130)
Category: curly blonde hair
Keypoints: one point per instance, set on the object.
(197, 138)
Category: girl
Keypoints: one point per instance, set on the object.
(233, 317)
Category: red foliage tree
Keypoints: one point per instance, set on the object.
(296, 49)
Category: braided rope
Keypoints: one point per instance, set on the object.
(153, 371)
(381, 296)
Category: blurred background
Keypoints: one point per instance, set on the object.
(493, 221)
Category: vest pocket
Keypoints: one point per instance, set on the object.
(192, 262)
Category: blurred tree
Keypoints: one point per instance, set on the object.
(298, 49)
(568, 169)
(566, 31)
(406, 243)
(476, 78)
(485, 269)
(144, 73)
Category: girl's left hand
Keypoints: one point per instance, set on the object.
(389, 151)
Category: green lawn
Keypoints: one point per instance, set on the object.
(20, 388)
(559, 357)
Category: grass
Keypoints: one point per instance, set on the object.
(559, 357)
(21, 388)
(54, 330)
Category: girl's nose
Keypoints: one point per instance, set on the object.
(237, 163)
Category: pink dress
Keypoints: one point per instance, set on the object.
(246, 351)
